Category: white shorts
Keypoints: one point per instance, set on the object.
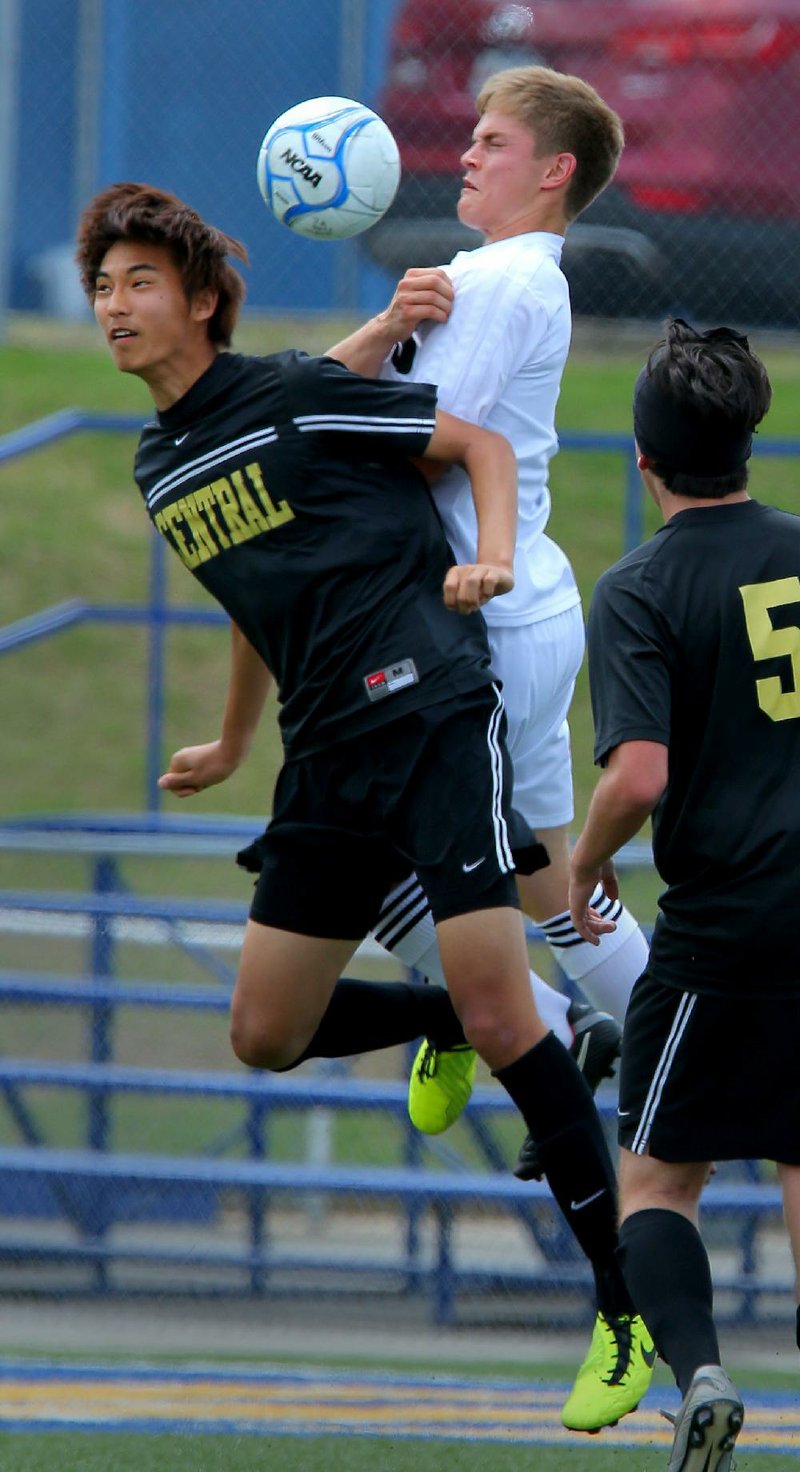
(538, 665)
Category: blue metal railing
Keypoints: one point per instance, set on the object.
(107, 837)
(159, 614)
(112, 914)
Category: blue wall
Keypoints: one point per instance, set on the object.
(42, 212)
(184, 95)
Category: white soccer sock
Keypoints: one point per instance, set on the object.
(407, 931)
(606, 973)
(552, 1007)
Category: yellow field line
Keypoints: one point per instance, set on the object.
(478, 1413)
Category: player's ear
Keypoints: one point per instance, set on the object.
(204, 304)
(642, 461)
(560, 171)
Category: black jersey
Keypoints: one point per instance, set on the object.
(694, 642)
(284, 484)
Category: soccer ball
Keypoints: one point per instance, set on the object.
(328, 168)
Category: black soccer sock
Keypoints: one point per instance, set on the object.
(667, 1271)
(798, 1328)
(364, 1016)
(554, 1100)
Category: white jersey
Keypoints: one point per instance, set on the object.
(498, 362)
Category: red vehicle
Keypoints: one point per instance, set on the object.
(703, 217)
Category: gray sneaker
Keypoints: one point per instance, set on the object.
(707, 1424)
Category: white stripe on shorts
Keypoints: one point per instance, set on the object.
(505, 858)
(680, 1022)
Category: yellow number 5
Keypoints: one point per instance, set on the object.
(767, 642)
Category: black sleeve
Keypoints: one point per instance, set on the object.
(377, 419)
(629, 670)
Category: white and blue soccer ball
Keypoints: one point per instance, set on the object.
(328, 168)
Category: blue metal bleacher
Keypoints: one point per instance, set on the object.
(84, 1208)
(97, 1192)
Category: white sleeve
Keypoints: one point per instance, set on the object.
(495, 327)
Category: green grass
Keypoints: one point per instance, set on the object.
(101, 1452)
(72, 739)
(559, 1369)
(73, 732)
(74, 1452)
(71, 526)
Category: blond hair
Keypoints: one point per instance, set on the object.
(565, 115)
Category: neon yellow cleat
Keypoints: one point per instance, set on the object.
(440, 1085)
(614, 1376)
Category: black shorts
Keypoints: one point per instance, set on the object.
(429, 792)
(709, 1078)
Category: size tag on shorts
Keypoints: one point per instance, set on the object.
(395, 677)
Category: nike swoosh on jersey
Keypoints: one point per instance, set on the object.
(579, 1205)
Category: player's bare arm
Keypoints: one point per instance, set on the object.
(491, 466)
(425, 294)
(631, 785)
(194, 768)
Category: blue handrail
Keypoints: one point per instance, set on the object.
(158, 614)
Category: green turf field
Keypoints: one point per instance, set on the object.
(100, 1453)
(75, 1452)
(499, 1415)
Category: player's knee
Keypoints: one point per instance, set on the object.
(652, 1186)
(259, 1042)
(497, 1037)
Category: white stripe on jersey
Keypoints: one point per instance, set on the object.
(205, 462)
(363, 424)
(505, 858)
(680, 1022)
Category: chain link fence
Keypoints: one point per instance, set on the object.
(179, 97)
(703, 218)
(134, 1158)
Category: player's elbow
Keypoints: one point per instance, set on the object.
(639, 771)
(638, 793)
(642, 796)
